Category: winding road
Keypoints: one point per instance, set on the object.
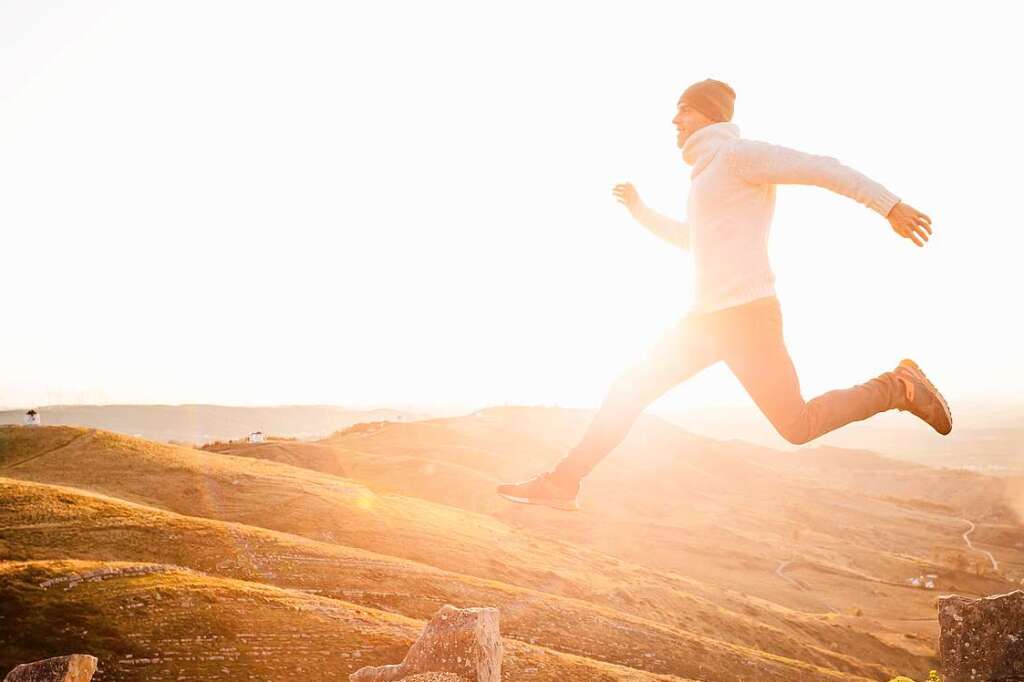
(801, 585)
(970, 545)
(778, 572)
(50, 451)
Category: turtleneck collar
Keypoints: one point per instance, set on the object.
(700, 148)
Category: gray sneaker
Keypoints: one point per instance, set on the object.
(545, 490)
(922, 399)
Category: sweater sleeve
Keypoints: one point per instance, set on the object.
(768, 164)
(674, 232)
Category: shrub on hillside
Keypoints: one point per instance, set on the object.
(933, 676)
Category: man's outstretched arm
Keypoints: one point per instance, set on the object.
(673, 231)
(769, 164)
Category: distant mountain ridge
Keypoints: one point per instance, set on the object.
(206, 423)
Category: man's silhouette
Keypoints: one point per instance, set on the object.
(735, 316)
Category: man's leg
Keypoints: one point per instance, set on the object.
(681, 352)
(754, 349)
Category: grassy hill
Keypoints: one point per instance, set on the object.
(41, 521)
(158, 622)
(393, 516)
(849, 527)
(173, 477)
(724, 512)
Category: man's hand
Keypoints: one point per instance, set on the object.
(627, 194)
(908, 222)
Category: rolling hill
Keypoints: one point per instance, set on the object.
(709, 509)
(50, 522)
(760, 564)
(158, 622)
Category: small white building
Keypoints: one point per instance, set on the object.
(256, 437)
(925, 581)
(32, 418)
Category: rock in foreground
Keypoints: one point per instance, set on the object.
(465, 642)
(982, 639)
(73, 668)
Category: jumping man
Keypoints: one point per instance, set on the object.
(735, 315)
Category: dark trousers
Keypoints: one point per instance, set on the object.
(749, 339)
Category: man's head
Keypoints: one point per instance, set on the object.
(702, 104)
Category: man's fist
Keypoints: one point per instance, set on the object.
(627, 194)
(908, 222)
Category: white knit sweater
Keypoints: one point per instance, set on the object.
(730, 206)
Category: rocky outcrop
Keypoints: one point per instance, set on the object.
(73, 579)
(73, 668)
(982, 640)
(466, 642)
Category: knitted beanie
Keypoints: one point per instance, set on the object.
(712, 98)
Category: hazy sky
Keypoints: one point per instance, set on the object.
(408, 203)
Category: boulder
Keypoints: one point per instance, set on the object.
(461, 641)
(981, 640)
(73, 668)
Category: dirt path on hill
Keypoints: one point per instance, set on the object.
(800, 585)
(50, 451)
(779, 572)
(970, 545)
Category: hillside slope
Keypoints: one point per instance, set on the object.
(719, 512)
(155, 622)
(819, 530)
(704, 624)
(48, 522)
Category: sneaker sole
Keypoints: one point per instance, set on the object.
(911, 366)
(564, 505)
